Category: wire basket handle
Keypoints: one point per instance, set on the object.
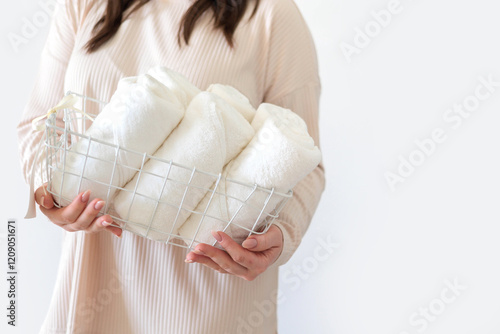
(67, 101)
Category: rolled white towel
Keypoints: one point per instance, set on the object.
(209, 136)
(141, 114)
(236, 99)
(279, 156)
(179, 84)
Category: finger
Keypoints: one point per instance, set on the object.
(239, 254)
(222, 259)
(115, 230)
(104, 223)
(70, 213)
(193, 257)
(273, 238)
(99, 224)
(87, 216)
(43, 197)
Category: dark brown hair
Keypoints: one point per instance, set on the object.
(227, 15)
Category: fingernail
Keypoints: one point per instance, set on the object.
(249, 243)
(217, 236)
(99, 205)
(188, 261)
(199, 252)
(118, 236)
(86, 196)
(105, 223)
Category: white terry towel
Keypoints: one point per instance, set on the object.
(141, 114)
(236, 99)
(280, 155)
(179, 84)
(209, 136)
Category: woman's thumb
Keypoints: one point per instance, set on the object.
(261, 242)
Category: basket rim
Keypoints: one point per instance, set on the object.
(50, 123)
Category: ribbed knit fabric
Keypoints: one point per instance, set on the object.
(135, 285)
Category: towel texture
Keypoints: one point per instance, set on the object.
(236, 99)
(208, 137)
(179, 84)
(140, 115)
(279, 156)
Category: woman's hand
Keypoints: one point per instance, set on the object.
(80, 215)
(248, 261)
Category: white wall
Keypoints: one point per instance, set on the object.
(38, 241)
(397, 248)
(393, 252)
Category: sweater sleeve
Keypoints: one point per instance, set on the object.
(296, 215)
(292, 82)
(49, 85)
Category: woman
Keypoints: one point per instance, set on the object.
(132, 284)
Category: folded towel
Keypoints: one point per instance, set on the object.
(179, 84)
(209, 136)
(279, 156)
(236, 99)
(141, 114)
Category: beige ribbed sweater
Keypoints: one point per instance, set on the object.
(135, 285)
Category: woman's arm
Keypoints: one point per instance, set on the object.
(49, 84)
(275, 247)
(298, 212)
(48, 90)
(291, 81)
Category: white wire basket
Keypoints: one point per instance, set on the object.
(59, 139)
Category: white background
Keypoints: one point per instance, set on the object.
(392, 251)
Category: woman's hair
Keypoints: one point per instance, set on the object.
(227, 16)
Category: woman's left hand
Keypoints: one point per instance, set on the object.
(247, 261)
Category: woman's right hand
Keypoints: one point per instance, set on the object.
(80, 215)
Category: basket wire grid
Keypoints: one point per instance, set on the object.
(59, 140)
